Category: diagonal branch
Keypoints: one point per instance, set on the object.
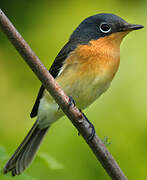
(77, 118)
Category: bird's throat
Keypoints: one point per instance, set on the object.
(101, 57)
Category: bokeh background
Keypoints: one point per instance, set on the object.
(120, 114)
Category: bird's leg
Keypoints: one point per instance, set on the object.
(92, 134)
(71, 102)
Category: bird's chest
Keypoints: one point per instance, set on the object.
(88, 72)
(88, 90)
(94, 71)
(86, 82)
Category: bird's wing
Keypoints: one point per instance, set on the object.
(54, 70)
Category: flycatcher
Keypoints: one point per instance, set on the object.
(84, 68)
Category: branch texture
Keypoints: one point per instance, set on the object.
(76, 117)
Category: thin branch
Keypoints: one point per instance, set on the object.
(76, 117)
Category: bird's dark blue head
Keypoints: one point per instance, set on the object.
(100, 25)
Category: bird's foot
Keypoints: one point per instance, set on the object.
(70, 103)
(92, 134)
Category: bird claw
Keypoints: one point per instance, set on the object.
(92, 134)
(71, 101)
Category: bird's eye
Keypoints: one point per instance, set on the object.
(105, 28)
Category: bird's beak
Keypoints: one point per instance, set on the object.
(131, 27)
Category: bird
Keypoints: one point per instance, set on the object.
(84, 68)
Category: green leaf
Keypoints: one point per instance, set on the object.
(50, 161)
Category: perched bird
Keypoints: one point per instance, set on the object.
(84, 68)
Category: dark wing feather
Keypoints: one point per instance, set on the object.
(36, 105)
(54, 70)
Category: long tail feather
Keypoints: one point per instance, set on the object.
(25, 153)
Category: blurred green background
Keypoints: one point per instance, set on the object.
(120, 114)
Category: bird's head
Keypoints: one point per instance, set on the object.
(102, 25)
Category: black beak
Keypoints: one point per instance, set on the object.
(131, 27)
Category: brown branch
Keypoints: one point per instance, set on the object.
(76, 117)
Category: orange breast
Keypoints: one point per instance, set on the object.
(99, 57)
(88, 71)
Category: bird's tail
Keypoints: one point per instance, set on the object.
(25, 153)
